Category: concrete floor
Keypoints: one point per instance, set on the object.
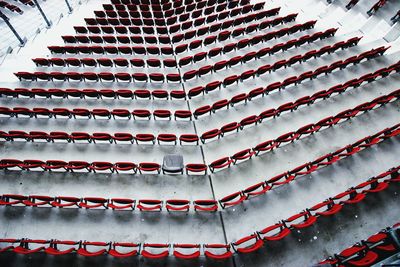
(301, 248)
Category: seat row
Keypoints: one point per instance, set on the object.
(183, 205)
(328, 159)
(97, 166)
(114, 50)
(299, 58)
(93, 93)
(105, 62)
(118, 250)
(293, 80)
(191, 24)
(73, 137)
(168, 50)
(290, 137)
(247, 244)
(166, 39)
(95, 77)
(367, 252)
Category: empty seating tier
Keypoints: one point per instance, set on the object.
(201, 133)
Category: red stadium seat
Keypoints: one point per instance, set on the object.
(10, 164)
(140, 77)
(232, 199)
(202, 110)
(155, 251)
(13, 135)
(93, 202)
(123, 137)
(78, 165)
(217, 251)
(145, 138)
(149, 167)
(122, 76)
(215, 133)
(10, 244)
(162, 114)
(68, 247)
(242, 155)
(142, 94)
(141, 113)
(196, 168)
(149, 205)
(265, 146)
(381, 242)
(121, 113)
(358, 255)
(64, 201)
(177, 205)
(121, 203)
(37, 200)
(186, 251)
(256, 190)
(29, 164)
(372, 186)
(12, 200)
(326, 208)
(349, 197)
(233, 126)
(183, 114)
(274, 232)
(55, 165)
(189, 138)
(80, 136)
(167, 138)
(248, 244)
(86, 248)
(25, 246)
(101, 166)
(124, 250)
